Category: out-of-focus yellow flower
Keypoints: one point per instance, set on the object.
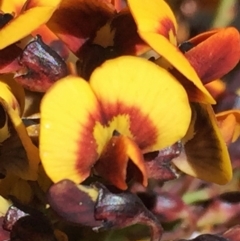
(28, 15)
(19, 157)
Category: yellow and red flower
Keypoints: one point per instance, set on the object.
(119, 115)
(157, 26)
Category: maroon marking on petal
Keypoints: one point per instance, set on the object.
(87, 153)
(80, 19)
(8, 59)
(142, 128)
(114, 166)
(91, 56)
(194, 94)
(165, 27)
(126, 39)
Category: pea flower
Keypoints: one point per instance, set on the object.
(119, 115)
(110, 32)
(189, 64)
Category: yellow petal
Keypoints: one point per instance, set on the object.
(75, 21)
(155, 17)
(8, 96)
(36, 14)
(10, 99)
(140, 100)
(12, 6)
(157, 27)
(173, 55)
(31, 150)
(68, 114)
(206, 155)
(16, 90)
(4, 206)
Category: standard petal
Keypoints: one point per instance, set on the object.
(206, 155)
(142, 101)
(113, 162)
(68, 148)
(215, 55)
(75, 21)
(155, 17)
(36, 13)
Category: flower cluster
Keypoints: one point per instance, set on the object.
(96, 97)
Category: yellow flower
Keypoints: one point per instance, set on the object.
(205, 153)
(28, 15)
(19, 158)
(129, 107)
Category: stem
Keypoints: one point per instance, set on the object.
(224, 13)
